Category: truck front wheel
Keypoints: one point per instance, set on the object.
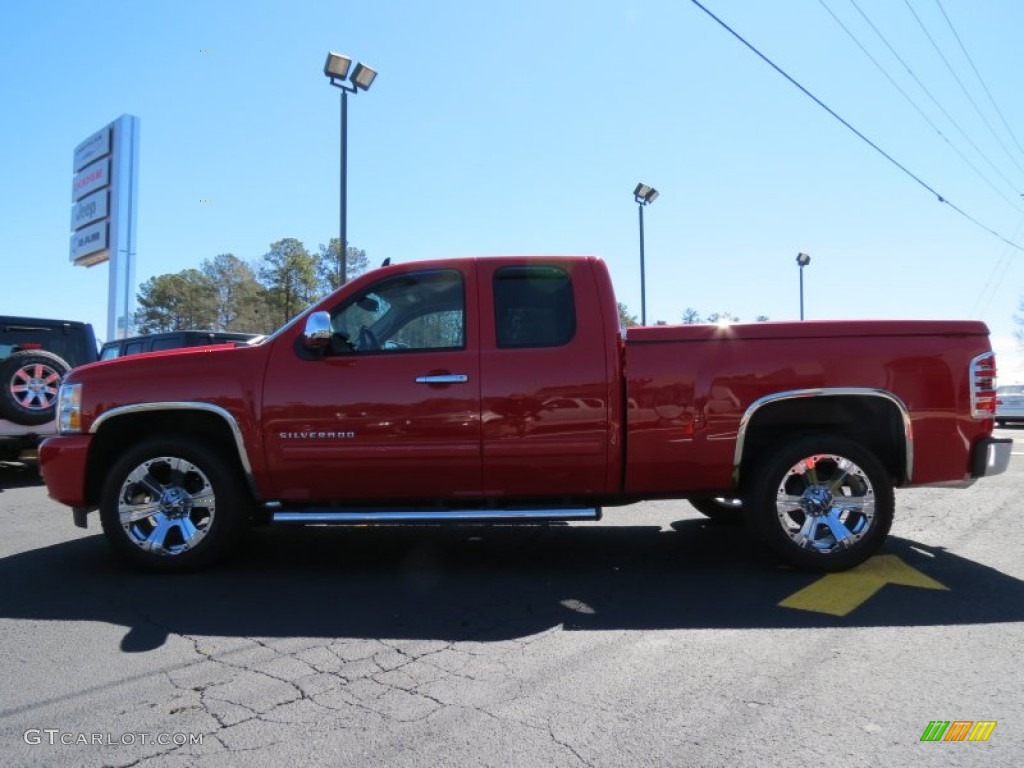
(172, 505)
(823, 503)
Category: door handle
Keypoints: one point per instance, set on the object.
(443, 378)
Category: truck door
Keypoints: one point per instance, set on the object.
(392, 411)
(546, 389)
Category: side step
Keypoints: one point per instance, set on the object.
(367, 516)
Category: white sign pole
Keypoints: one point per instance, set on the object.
(125, 175)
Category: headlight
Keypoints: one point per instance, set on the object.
(69, 409)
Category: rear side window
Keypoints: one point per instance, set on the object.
(172, 342)
(533, 307)
(67, 344)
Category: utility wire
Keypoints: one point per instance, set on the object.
(995, 279)
(853, 130)
(1013, 203)
(935, 101)
(978, 75)
(962, 86)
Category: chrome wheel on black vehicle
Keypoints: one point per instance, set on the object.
(823, 503)
(30, 380)
(172, 505)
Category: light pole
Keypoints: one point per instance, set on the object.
(803, 260)
(336, 69)
(643, 195)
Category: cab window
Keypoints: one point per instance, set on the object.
(414, 311)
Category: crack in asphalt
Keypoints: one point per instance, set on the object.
(364, 673)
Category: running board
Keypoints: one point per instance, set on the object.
(363, 517)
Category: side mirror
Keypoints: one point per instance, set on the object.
(318, 331)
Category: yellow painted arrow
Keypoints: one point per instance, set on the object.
(840, 593)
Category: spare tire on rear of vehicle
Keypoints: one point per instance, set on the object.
(29, 381)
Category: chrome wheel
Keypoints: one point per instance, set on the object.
(34, 387)
(822, 502)
(166, 505)
(825, 502)
(31, 379)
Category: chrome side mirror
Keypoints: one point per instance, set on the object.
(318, 331)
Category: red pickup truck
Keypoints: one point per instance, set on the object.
(503, 390)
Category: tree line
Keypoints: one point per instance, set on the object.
(227, 293)
(690, 316)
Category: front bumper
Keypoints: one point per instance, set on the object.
(62, 463)
(991, 456)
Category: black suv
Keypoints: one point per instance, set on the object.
(171, 340)
(34, 356)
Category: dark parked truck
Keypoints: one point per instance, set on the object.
(35, 354)
(503, 390)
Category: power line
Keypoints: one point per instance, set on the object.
(978, 75)
(962, 86)
(1013, 204)
(853, 130)
(935, 101)
(995, 279)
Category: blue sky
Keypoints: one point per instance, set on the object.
(522, 128)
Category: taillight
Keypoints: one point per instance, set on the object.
(983, 386)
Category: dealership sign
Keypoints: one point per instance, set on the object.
(91, 178)
(105, 172)
(89, 209)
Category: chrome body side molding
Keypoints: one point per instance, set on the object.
(797, 394)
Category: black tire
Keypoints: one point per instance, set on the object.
(854, 516)
(29, 381)
(728, 511)
(196, 520)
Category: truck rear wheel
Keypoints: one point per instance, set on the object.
(172, 505)
(823, 503)
(728, 511)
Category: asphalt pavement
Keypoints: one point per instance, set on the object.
(653, 638)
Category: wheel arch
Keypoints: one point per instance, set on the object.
(876, 418)
(122, 426)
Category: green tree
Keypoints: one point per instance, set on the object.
(691, 316)
(241, 300)
(327, 265)
(186, 300)
(288, 273)
(722, 317)
(626, 320)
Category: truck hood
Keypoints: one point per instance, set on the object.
(178, 352)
